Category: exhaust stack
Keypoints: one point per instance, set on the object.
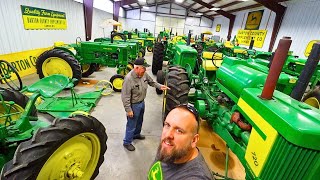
(306, 73)
(280, 57)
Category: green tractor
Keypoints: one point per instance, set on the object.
(145, 38)
(81, 60)
(34, 148)
(274, 136)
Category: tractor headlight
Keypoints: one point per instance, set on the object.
(205, 80)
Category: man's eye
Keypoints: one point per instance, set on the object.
(166, 125)
(179, 131)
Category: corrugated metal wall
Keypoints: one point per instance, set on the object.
(302, 23)
(14, 37)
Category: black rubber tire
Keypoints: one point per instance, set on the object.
(157, 59)
(91, 70)
(10, 69)
(314, 93)
(178, 82)
(143, 52)
(113, 78)
(30, 156)
(149, 48)
(160, 79)
(71, 60)
(18, 98)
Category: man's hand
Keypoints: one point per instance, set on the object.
(130, 114)
(163, 87)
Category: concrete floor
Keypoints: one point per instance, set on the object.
(119, 163)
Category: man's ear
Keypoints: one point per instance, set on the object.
(195, 140)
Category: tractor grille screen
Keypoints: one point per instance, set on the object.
(288, 161)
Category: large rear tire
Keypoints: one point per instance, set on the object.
(313, 97)
(6, 71)
(178, 82)
(88, 69)
(17, 109)
(57, 61)
(157, 59)
(70, 148)
(160, 79)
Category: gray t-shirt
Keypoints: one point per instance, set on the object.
(194, 169)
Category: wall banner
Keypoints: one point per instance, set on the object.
(254, 20)
(37, 18)
(244, 37)
(24, 62)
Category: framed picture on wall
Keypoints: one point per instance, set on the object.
(254, 20)
(218, 27)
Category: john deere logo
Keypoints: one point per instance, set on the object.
(253, 20)
(155, 172)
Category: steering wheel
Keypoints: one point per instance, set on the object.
(214, 59)
(6, 70)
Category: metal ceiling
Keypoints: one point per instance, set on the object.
(199, 6)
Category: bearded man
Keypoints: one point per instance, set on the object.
(178, 156)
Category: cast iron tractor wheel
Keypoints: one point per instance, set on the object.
(157, 59)
(57, 61)
(117, 81)
(20, 101)
(313, 97)
(70, 148)
(178, 82)
(88, 69)
(128, 68)
(6, 69)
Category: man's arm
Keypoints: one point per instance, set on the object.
(126, 95)
(155, 84)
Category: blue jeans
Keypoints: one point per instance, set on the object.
(134, 124)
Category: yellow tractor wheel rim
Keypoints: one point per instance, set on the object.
(129, 66)
(15, 112)
(85, 67)
(312, 101)
(140, 54)
(149, 48)
(117, 83)
(55, 65)
(77, 158)
(105, 86)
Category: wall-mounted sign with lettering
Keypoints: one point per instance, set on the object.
(37, 18)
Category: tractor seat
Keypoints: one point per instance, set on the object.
(208, 55)
(240, 51)
(207, 62)
(51, 85)
(228, 44)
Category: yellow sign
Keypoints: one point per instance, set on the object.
(253, 20)
(309, 47)
(244, 37)
(218, 27)
(36, 18)
(24, 62)
(259, 146)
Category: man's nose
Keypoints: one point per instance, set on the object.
(170, 134)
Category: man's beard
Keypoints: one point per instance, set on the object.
(176, 154)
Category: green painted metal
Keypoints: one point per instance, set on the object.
(185, 55)
(14, 132)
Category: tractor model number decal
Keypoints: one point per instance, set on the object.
(255, 158)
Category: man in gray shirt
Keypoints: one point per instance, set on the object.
(134, 90)
(178, 156)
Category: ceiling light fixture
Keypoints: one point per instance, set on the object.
(145, 7)
(215, 9)
(179, 1)
(199, 14)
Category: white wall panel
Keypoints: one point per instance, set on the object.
(224, 27)
(163, 10)
(98, 17)
(148, 16)
(191, 21)
(105, 5)
(133, 14)
(132, 24)
(205, 22)
(302, 23)
(14, 37)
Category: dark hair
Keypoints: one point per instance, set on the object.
(191, 109)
